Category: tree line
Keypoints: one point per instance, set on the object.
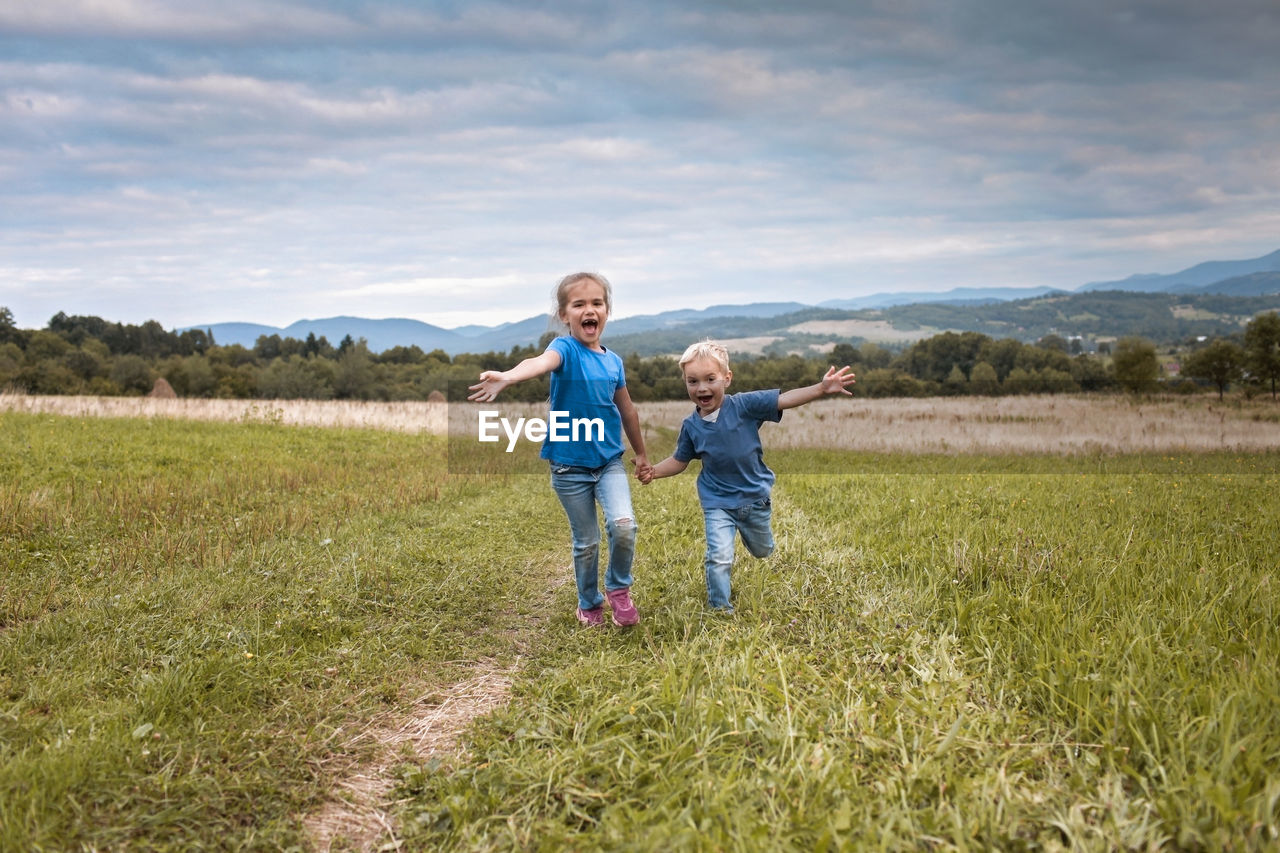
(89, 355)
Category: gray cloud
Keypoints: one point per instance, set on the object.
(270, 161)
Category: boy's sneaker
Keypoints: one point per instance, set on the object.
(624, 612)
(592, 618)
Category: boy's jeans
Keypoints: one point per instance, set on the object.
(753, 523)
(579, 489)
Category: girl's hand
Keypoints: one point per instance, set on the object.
(486, 390)
(838, 381)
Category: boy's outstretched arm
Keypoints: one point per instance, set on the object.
(668, 467)
(493, 381)
(833, 382)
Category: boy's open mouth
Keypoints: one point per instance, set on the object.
(591, 324)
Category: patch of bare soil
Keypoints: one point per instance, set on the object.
(357, 814)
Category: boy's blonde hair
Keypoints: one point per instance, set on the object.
(706, 349)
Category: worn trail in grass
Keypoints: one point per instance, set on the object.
(201, 624)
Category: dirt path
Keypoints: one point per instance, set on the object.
(357, 817)
(358, 814)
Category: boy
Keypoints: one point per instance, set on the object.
(724, 432)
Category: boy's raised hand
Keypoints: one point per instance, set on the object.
(838, 381)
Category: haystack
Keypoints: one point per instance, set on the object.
(435, 397)
(163, 390)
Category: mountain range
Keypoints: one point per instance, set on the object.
(1243, 279)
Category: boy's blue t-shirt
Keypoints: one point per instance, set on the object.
(733, 471)
(583, 385)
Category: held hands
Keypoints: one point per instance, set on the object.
(644, 471)
(486, 390)
(838, 381)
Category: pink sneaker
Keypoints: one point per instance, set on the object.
(592, 618)
(624, 612)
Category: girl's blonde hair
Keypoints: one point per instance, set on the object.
(562, 290)
(706, 349)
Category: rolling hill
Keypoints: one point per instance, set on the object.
(1211, 298)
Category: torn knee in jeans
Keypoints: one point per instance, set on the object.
(624, 527)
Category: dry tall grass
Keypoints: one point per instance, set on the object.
(1031, 424)
(399, 416)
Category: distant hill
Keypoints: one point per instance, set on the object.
(1192, 279)
(1254, 284)
(955, 296)
(1162, 317)
(685, 316)
(521, 333)
(236, 333)
(381, 334)
(1210, 298)
(384, 334)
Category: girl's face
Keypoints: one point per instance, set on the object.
(585, 312)
(706, 382)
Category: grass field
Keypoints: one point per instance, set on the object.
(254, 636)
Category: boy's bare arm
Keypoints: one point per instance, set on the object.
(493, 381)
(668, 467)
(833, 382)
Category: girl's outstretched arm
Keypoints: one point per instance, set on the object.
(834, 382)
(493, 381)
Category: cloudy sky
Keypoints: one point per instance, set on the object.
(273, 160)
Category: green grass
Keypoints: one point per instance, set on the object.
(193, 617)
(946, 652)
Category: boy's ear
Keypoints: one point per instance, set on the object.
(728, 377)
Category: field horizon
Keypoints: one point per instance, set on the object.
(1050, 424)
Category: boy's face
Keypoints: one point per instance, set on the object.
(706, 382)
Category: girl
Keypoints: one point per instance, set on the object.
(588, 381)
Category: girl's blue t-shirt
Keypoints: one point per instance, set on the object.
(733, 471)
(582, 389)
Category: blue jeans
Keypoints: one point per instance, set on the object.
(753, 523)
(579, 489)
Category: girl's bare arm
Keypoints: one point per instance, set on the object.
(493, 381)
